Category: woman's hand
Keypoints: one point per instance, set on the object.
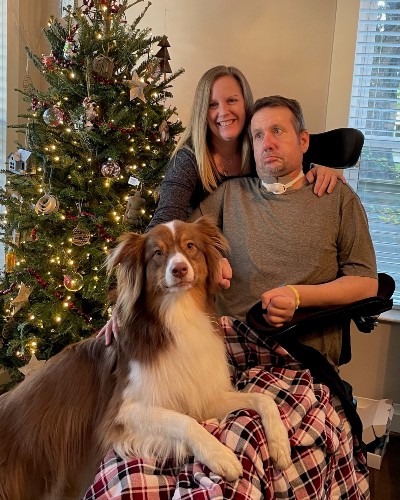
(325, 178)
(280, 305)
(225, 274)
(110, 329)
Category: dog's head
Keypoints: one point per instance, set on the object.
(171, 258)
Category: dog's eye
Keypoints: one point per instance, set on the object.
(158, 252)
(190, 245)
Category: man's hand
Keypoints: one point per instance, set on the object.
(280, 305)
(110, 329)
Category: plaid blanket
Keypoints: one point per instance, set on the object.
(327, 461)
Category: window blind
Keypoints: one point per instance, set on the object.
(375, 110)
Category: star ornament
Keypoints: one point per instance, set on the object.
(33, 365)
(22, 298)
(136, 87)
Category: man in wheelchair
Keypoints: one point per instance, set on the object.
(290, 251)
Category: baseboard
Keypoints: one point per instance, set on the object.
(395, 425)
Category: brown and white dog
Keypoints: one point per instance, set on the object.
(144, 394)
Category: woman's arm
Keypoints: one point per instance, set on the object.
(325, 178)
(181, 189)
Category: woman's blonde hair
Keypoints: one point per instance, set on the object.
(196, 134)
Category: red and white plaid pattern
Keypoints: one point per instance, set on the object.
(327, 462)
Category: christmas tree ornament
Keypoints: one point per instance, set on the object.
(103, 66)
(70, 48)
(110, 169)
(164, 57)
(27, 83)
(80, 236)
(48, 62)
(46, 205)
(33, 366)
(16, 237)
(22, 298)
(156, 194)
(90, 112)
(11, 260)
(35, 104)
(134, 209)
(136, 87)
(73, 281)
(133, 181)
(53, 116)
(153, 69)
(164, 131)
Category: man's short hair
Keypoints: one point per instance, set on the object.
(276, 101)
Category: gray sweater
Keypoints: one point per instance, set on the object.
(294, 238)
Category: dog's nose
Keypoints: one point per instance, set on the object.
(179, 270)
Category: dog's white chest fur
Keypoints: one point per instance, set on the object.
(192, 373)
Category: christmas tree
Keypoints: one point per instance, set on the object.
(93, 150)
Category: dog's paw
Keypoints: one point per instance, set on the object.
(279, 447)
(225, 464)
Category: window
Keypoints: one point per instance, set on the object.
(375, 110)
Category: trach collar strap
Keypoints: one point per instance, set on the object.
(279, 188)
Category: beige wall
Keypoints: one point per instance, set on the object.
(281, 46)
(26, 18)
(299, 48)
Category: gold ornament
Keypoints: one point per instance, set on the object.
(46, 205)
(73, 282)
(10, 262)
(22, 298)
(80, 236)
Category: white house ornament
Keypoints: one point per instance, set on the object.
(53, 117)
(20, 162)
(136, 87)
(110, 169)
(46, 205)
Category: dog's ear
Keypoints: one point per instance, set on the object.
(217, 239)
(129, 257)
(216, 246)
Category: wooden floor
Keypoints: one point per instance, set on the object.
(385, 483)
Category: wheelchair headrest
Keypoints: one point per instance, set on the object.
(337, 148)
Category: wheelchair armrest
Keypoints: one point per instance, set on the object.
(364, 313)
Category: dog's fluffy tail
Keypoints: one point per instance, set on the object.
(48, 422)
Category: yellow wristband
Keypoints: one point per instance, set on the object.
(296, 293)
